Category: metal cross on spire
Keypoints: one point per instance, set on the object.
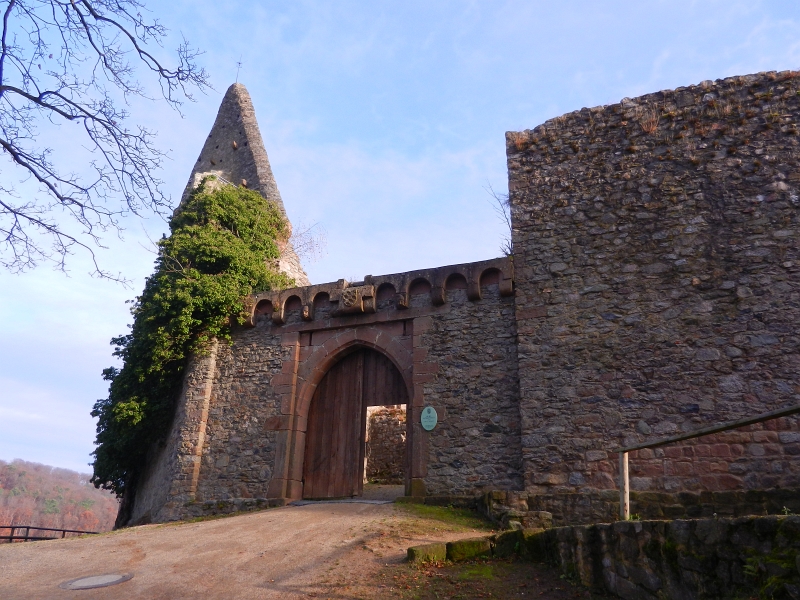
(238, 68)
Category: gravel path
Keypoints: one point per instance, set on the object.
(291, 552)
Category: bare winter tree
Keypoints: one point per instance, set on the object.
(502, 209)
(74, 61)
(309, 242)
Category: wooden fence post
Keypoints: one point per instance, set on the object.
(624, 488)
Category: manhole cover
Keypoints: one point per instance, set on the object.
(95, 581)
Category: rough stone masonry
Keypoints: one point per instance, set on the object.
(653, 289)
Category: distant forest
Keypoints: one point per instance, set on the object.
(43, 496)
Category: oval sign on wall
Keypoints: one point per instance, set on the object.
(428, 418)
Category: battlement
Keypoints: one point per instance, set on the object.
(383, 292)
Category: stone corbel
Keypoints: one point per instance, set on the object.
(438, 296)
(308, 311)
(474, 285)
(507, 279)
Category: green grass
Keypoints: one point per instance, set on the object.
(454, 519)
(478, 571)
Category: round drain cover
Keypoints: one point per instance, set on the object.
(95, 581)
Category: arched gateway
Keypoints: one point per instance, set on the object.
(333, 465)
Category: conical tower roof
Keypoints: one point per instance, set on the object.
(234, 152)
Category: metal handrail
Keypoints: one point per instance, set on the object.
(624, 483)
(28, 537)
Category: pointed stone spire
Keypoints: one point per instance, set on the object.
(234, 152)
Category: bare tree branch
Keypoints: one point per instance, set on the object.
(309, 242)
(88, 79)
(502, 208)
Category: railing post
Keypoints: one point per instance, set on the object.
(624, 488)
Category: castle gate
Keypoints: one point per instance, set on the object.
(335, 437)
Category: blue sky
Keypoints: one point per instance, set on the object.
(384, 122)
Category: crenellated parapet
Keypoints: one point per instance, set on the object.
(385, 292)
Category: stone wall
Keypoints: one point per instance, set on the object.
(239, 438)
(386, 444)
(657, 253)
(239, 452)
(708, 558)
(476, 446)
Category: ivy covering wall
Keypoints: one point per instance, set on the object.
(223, 246)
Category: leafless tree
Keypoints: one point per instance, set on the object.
(502, 208)
(309, 242)
(75, 61)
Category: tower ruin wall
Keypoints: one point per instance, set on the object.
(657, 259)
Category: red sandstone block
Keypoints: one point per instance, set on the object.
(672, 452)
(718, 467)
(688, 451)
(731, 437)
(421, 325)
(399, 351)
(702, 467)
(771, 425)
(737, 450)
(320, 337)
(330, 346)
(765, 436)
(426, 367)
(728, 482)
(282, 379)
(420, 354)
(283, 390)
(720, 450)
(277, 423)
(288, 367)
(773, 449)
(702, 450)
(423, 377)
(349, 335)
(654, 469)
(290, 338)
(646, 453)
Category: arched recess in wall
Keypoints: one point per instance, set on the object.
(321, 300)
(386, 295)
(419, 292)
(262, 311)
(455, 281)
(490, 277)
(292, 303)
(419, 287)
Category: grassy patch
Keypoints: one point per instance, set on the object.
(479, 571)
(445, 518)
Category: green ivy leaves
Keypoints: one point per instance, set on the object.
(223, 247)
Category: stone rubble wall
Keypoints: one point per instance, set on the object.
(239, 453)
(657, 267)
(476, 445)
(504, 506)
(386, 444)
(697, 559)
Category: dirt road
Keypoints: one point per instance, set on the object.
(323, 550)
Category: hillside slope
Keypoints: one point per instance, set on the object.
(43, 496)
